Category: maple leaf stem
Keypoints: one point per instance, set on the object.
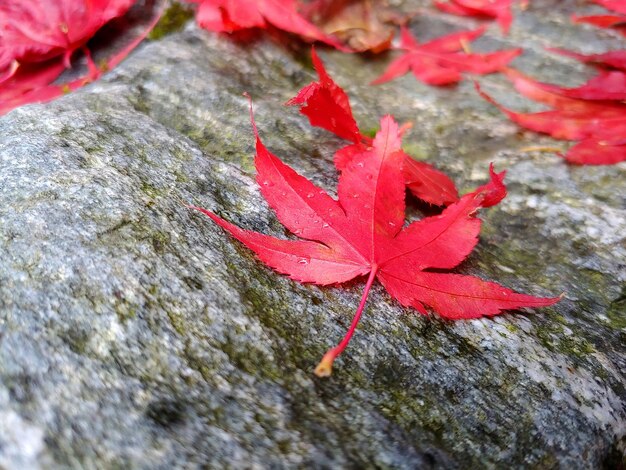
(325, 367)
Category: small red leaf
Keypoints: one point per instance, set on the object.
(500, 10)
(327, 106)
(603, 21)
(594, 152)
(571, 119)
(575, 124)
(607, 86)
(617, 6)
(607, 21)
(611, 59)
(440, 62)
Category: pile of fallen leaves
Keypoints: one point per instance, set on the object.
(41, 39)
(363, 232)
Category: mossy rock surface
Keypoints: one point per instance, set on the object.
(134, 333)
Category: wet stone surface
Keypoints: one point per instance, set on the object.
(136, 334)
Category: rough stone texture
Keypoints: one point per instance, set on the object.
(136, 334)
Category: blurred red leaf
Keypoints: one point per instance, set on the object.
(597, 152)
(233, 15)
(610, 60)
(617, 6)
(38, 30)
(31, 78)
(601, 125)
(617, 22)
(500, 10)
(441, 62)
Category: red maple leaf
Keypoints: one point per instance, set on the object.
(362, 233)
(606, 86)
(617, 22)
(29, 79)
(20, 81)
(31, 83)
(605, 60)
(37, 30)
(597, 152)
(327, 105)
(500, 10)
(441, 62)
(234, 15)
(609, 84)
(599, 125)
(617, 6)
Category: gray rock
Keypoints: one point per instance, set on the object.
(134, 333)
